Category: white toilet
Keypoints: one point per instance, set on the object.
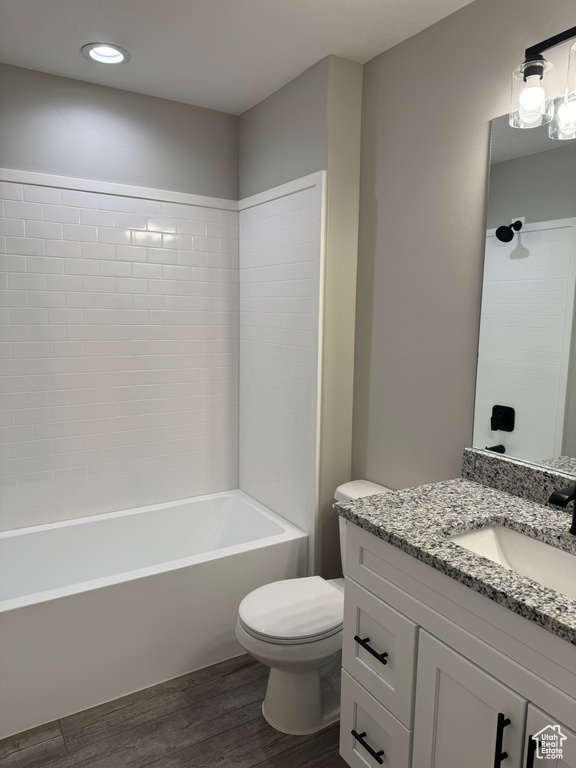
(295, 628)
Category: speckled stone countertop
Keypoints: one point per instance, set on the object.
(420, 520)
(561, 463)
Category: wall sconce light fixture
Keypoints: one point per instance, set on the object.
(533, 101)
(505, 233)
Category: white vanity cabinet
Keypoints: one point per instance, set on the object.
(437, 676)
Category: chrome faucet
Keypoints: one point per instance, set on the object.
(562, 498)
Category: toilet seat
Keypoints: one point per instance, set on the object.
(293, 611)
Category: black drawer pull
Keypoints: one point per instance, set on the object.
(532, 745)
(364, 643)
(376, 755)
(498, 754)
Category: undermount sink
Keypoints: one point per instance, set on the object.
(541, 562)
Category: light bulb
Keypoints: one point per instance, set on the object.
(532, 99)
(104, 53)
(107, 54)
(530, 104)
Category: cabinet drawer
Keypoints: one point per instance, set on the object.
(366, 558)
(384, 631)
(377, 728)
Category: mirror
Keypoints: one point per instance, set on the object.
(527, 344)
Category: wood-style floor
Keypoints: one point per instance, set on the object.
(207, 719)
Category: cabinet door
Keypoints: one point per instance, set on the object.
(544, 738)
(462, 713)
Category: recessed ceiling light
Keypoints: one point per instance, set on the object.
(105, 53)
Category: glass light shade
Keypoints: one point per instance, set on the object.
(563, 126)
(532, 102)
(104, 53)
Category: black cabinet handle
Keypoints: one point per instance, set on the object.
(498, 754)
(364, 643)
(376, 755)
(532, 744)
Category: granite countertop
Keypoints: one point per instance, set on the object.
(420, 520)
(561, 463)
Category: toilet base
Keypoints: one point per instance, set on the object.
(303, 701)
(328, 719)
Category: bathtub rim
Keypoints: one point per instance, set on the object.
(289, 532)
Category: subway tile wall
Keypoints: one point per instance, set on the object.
(279, 329)
(118, 352)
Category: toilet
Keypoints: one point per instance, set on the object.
(295, 628)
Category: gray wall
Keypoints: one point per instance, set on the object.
(56, 125)
(310, 124)
(427, 105)
(285, 137)
(541, 187)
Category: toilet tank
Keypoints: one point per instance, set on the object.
(356, 489)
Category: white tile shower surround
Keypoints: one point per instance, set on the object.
(525, 338)
(280, 271)
(119, 352)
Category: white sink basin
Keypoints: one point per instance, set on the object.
(548, 565)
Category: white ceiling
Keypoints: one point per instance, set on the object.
(223, 54)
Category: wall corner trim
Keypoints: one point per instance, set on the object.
(289, 188)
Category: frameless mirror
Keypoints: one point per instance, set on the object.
(527, 344)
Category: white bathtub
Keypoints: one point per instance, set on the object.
(96, 608)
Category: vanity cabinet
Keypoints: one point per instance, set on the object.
(437, 676)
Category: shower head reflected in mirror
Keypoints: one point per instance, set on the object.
(505, 233)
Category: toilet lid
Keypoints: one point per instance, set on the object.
(294, 610)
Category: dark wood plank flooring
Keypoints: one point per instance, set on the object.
(208, 719)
